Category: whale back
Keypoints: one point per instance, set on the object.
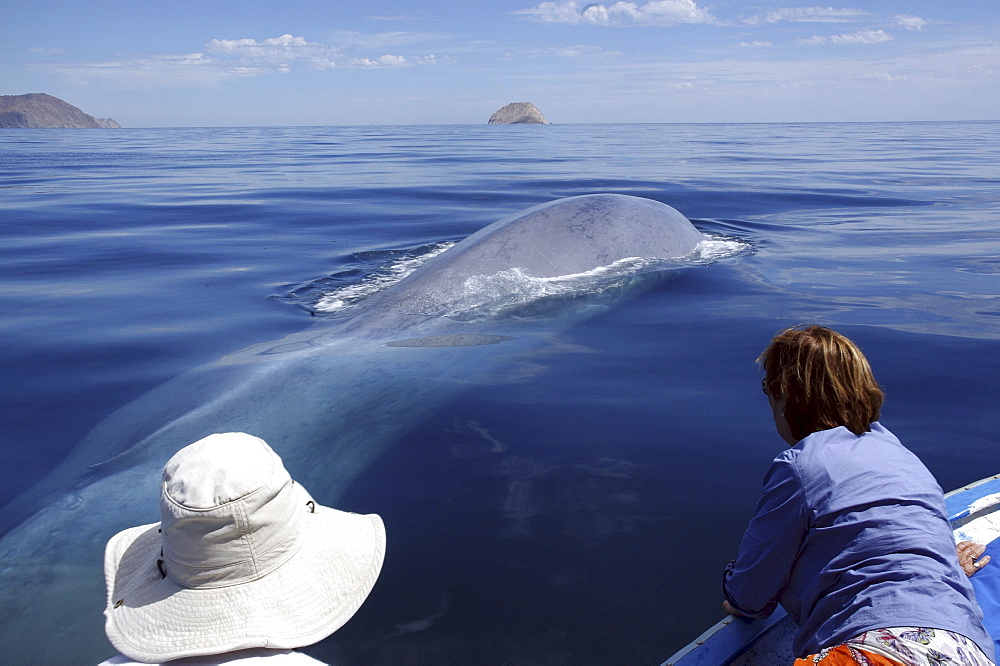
(560, 238)
(573, 235)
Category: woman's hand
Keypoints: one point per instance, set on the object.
(969, 554)
(728, 608)
(763, 615)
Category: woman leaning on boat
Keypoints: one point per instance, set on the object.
(850, 535)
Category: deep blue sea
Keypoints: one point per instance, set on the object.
(572, 504)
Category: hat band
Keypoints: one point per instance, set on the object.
(235, 573)
(227, 556)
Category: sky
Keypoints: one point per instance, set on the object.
(403, 62)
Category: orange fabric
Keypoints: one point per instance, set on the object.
(843, 655)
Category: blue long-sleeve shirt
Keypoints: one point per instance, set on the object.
(850, 535)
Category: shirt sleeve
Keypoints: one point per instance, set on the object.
(754, 581)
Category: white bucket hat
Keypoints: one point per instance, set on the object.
(242, 558)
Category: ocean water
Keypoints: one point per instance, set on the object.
(574, 504)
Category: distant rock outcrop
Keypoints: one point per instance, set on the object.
(519, 113)
(38, 110)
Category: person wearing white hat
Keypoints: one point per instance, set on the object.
(242, 559)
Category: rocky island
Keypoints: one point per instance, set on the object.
(519, 113)
(38, 110)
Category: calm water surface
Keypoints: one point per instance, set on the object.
(577, 505)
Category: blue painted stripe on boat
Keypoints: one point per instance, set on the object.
(957, 502)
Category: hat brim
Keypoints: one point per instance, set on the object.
(151, 618)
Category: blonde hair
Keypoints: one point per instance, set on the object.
(826, 379)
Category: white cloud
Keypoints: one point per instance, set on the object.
(754, 45)
(815, 40)
(584, 50)
(192, 69)
(393, 61)
(253, 47)
(349, 40)
(807, 15)
(275, 49)
(244, 71)
(911, 22)
(886, 76)
(384, 61)
(279, 53)
(778, 85)
(232, 58)
(655, 12)
(575, 51)
(860, 37)
(191, 59)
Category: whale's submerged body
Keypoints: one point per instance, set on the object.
(329, 400)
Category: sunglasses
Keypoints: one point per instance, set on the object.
(763, 386)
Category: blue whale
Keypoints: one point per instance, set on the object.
(329, 400)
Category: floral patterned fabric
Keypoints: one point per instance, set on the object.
(901, 646)
(845, 655)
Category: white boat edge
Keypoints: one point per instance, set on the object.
(746, 629)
